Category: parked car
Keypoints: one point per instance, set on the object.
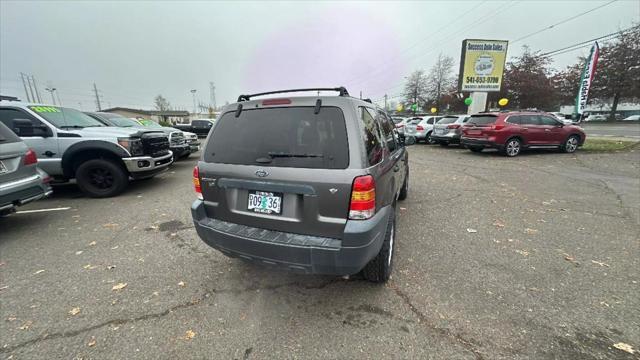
(71, 145)
(594, 117)
(200, 127)
(400, 123)
(449, 129)
(632, 118)
(175, 140)
(322, 200)
(510, 132)
(421, 128)
(178, 144)
(21, 181)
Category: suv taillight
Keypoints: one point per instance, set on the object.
(196, 182)
(419, 128)
(363, 198)
(30, 157)
(453, 126)
(497, 126)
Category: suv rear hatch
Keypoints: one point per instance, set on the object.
(441, 127)
(480, 126)
(279, 168)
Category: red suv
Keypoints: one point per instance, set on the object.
(510, 132)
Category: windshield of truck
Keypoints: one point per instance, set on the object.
(65, 118)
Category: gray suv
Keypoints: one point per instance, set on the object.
(70, 144)
(308, 184)
(20, 179)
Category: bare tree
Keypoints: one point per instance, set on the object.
(161, 103)
(415, 89)
(440, 79)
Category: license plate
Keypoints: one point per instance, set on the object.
(3, 169)
(265, 202)
(475, 132)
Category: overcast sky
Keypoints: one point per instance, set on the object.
(136, 50)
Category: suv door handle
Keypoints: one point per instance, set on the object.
(48, 153)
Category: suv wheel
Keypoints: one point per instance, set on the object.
(571, 145)
(512, 147)
(101, 178)
(405, 187)
(429, 140)
(379, 268)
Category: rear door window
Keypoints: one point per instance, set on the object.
(546, 120)
(388, 131)
(515, 120)
(281, 137)
(7, 135)
(7, 117)
(482, 120)
(371, 136)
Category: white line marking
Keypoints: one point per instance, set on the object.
(42, 210)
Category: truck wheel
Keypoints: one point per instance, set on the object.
(101, 178)
(378, 270)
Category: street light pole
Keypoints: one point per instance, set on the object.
(193, 92)
(51, 90)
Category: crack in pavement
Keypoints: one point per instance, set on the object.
(468, 345)
(157, 315)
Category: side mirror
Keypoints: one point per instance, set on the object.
(24, 127)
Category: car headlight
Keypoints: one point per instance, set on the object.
(133, 145)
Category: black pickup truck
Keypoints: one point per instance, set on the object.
(200, 127)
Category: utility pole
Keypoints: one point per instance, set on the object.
(95, 90)
(35, 85)
(51, 90)
(385, 102)
(25, 87)
(212, 89)
(360, 94)
(33, 98)
(58, 96)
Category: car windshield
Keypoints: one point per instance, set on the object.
(294, 137)
(149, 123)
(447, 120)
(123, 121)
(63, 117)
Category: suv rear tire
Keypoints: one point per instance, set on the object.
(101, 178)
(512, 147)
(378, 270)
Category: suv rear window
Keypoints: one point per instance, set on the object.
(7, 136)
(482, 119)
(288, 137)
(447, 120)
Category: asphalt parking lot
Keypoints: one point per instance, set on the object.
(527, 257)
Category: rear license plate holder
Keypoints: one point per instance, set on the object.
(264, 202)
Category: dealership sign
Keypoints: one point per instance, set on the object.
(482, 65)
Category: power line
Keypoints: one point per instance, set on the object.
(562, 22)
(588, 42)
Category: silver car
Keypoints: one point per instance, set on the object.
(20, 179)
(421, 127)
(449, 129)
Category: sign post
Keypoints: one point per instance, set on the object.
(481, 69)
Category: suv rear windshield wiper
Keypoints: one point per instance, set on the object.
(293, 155)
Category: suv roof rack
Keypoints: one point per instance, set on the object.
(342, 90)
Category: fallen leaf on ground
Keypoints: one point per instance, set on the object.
(469, 230)
(110, 225)
(38, 272)
(12, 318)
(522, 252)
(119, 286)
(2, 263)
(74, 311)
(624, 347)
(530, 231)
(89, 267)
(189, 334)
(92, 243)
(153, 227)
(115, 247)
(92, 342)
(26, 325)
(109, 267)
(570, 259)
(78, 252)
(403, 208)
(599, 263)
(498, 223)
(4, 287)
(181, 283)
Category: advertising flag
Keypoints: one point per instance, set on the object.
(586, 79)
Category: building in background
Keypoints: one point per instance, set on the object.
(170, 116)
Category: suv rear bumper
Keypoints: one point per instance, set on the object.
(23, 191)
(451, 138)
(479, 142)
(148, 164)
(361, 241)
